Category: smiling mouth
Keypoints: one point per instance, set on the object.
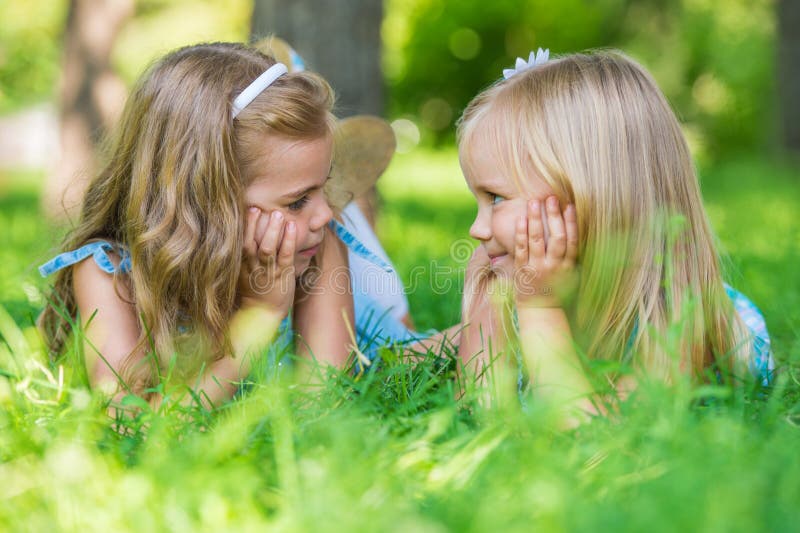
(496, 258)
(310, 251)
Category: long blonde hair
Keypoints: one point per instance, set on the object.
(596, 128)
(172, 193)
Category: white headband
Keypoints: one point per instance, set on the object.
(257, 87)
(534, 59)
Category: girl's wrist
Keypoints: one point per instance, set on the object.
(538, 301)
(543, 311)
(253, 327)
(541, 317)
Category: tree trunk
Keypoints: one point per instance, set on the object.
(789, 73)
(91, 98)
(341, 40)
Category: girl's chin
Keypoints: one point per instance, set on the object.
(301, 265)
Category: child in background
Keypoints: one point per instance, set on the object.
(590, 209)
(204, 227)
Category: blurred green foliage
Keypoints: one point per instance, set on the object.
(26, 241)
(30, 50)
(159, 26)
(393, 450)
(712, 58)
(31, 40)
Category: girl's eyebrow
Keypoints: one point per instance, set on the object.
(298, 192)
(303, 191)
(493, 185)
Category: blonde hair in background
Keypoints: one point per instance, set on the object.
(172, 192)
(596, 128)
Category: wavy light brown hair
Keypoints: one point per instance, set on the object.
(172, 192)
(596, 128)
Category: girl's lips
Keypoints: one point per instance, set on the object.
(496, 258)
(309, 252)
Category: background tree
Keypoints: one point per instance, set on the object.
(91, 97)
(714, 60)
(341, 40)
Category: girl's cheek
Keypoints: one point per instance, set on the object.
(503, 229)
(302, 231)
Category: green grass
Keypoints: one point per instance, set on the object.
(392, 450)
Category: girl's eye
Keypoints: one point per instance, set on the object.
(495, 198)
(297, 205)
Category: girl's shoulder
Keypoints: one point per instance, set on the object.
(94, 284)
(761, 362)
(110, 257)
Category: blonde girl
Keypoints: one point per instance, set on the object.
(589, 205)
(193, 237)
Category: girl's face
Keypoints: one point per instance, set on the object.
(500, 204)
(290, 177)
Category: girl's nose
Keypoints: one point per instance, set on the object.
(322, 214)
(480, 229)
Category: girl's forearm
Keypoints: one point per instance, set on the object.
(323, 315)
(556, 372)
(252, 328)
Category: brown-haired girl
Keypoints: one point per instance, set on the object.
(209, 209)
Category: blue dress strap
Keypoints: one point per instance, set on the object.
(357, 247)
(97, 250)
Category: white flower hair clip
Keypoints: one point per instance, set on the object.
(535, 58)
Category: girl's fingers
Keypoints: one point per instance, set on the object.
(571, 222)
(269, 245)
(536, 246)
(288, 245)
(557, 243)
(261, 228)
(521, 243)
(250, 246)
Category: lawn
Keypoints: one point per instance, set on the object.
(392, 450)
